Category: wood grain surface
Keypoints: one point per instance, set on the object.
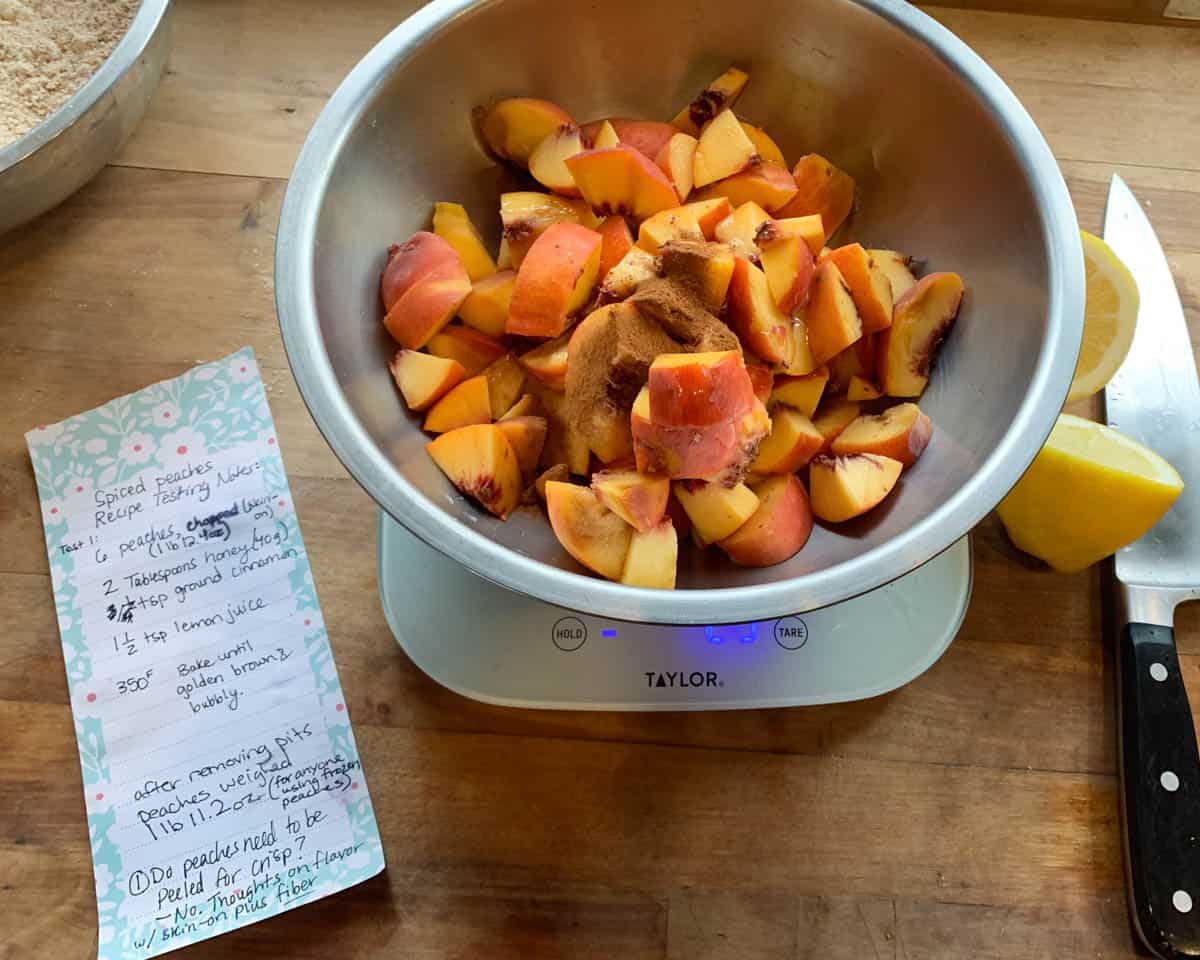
(971, 814)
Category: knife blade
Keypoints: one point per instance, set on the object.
(1155, 399)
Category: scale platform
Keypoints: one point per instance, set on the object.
(500, 647)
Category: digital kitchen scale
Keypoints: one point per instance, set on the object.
(490, 644)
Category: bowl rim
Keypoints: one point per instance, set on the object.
(489, 559)
(120, 61)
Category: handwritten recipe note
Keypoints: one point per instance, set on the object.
(222, 780)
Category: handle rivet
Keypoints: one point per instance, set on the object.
(1181, 900)
(1169, 781)
(1158, 672)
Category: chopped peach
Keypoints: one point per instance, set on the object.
(762, 380)
(479, 460)
(869, 286)
(833, 418)
(830, 316)
(767, 149)
(590, 532)
(754, 315)
(901, 433)
(705, 267)
(788, 265)
(464, 405)
(920, 321)
(505, 381)
(675, 159)
(821, 188)
(621, 180)
(678, 223)
(792, 442)
(474, 350)
(801, 393)
(645, 136)
(422, 255)
(715, 510)
(422, 286)
(486, 306)
(616, 240)
(860, 388)
(723, 150)
(604, 136)
(809, 229)
(526, 406)
(897, 268)
(652, 558)
(527, 435)
(634, 269)
(709, 213)
(740, 229)
(799, 360)
(555, 280)
(637, 498)
(767, 184)
(527, 214)
(547, 162)
(608, 435)
(699, 389)
(512, 128)
(452, 223)
(504, 255)
(424, 379)
(548, 362)
(847, 487)
(717, 96)
(777, 530)
(557, 472)
(857, 360)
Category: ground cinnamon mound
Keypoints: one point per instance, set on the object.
(48, 50)
(679, 310)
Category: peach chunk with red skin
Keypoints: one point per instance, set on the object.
(548, 362)
(699, 389)
(637, 498)
(474, 350)
(767, 184)
(652, 558)
(869, 286)
(620, 180)
(647, 137)
(777, 530)
(422, 286)
(548, 165)
(830, 316)
(820, 188)
(481, 463)
(511, 129)
(848, 486)
(423, 379)
(762, 381)
(555, 280)
(920, 322)
(675, 159)
(788, 265)
(616, 240)
(901, 432)
(588, 530)
(754, 314)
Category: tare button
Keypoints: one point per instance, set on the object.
(569, 633)
(791, 633)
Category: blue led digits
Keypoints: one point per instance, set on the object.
(711, 635)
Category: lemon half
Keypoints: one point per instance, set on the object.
(1110, 319)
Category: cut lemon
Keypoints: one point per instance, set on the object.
(1109, 320)
(1089, 492)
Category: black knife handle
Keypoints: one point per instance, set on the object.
(1160, 783)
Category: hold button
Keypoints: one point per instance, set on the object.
(570, 633)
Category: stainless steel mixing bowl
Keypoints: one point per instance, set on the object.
(63, 152)
(949, 167)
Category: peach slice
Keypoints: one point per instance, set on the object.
(652, 558)
(526, 406)
(424, 379)
(675, 159)
(548, 362)
(754, 315)
(505, 380)
(474, 350)
(605, 136)
(547, 162)
(762, 381)
(767, 184)
(801, 393)
(557, 472)
(422, 286)
(590, 532)
(777, 530)
(699, 389)
(788, 265)
(555, 280)
(766, 148)
(564, 444)
(678, 223)
(857, 360)
(723, 150)
(799, 361)
(527, 214)
(821, 188)
(897, 268)
(512, 128)
(715, 510)
(833, 418)
(616, 240)
(810, 229)
(717, 96)
(860, 388)
(741, 228)
(847, 487)
(486, 306)
(830, 316)
(466, 404)
(621, 180)
(792, 442)
(527, 436)
(645, 136)
(453, 224)
(901, 433)
(633, 269)
(706, 268)
(869, 286)
(709, 213)
(479, 460)
(637, 498)
(422, 255)
(920, 322)
(609, 435)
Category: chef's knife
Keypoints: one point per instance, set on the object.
(1155, 399)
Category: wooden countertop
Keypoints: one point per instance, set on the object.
(972, 813)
